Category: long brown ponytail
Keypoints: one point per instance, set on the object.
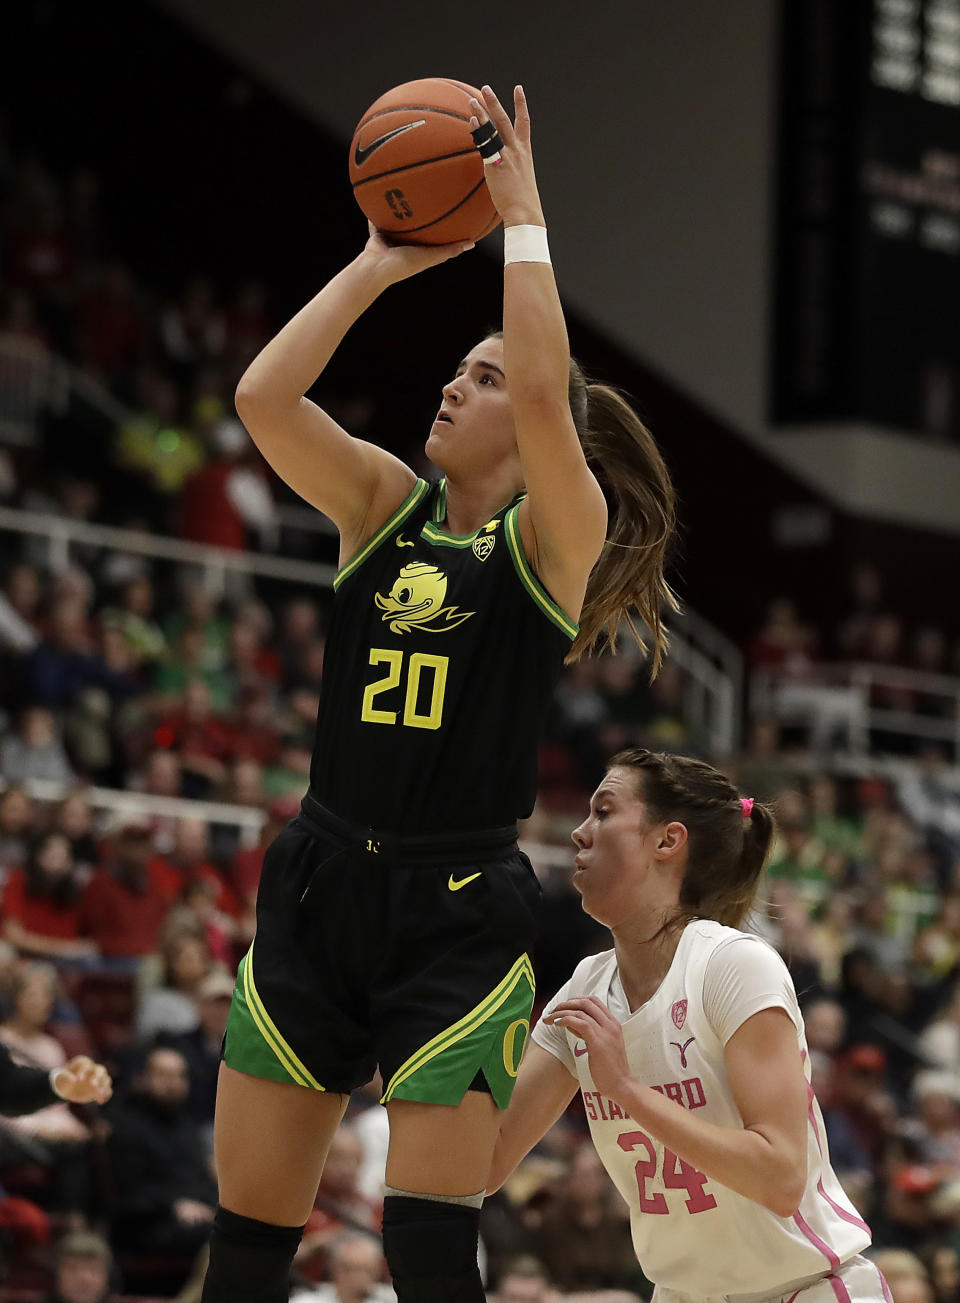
(641, 517)
(641, 506)
(729, 842)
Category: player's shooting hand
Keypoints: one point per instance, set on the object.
(81, 1081)
(395, 262)
(590, 1020)
(512, 182)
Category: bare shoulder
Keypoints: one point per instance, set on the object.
(563, 564)
(395, 481)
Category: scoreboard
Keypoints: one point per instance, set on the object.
(867, 297)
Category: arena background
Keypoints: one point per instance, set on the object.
(731, 191)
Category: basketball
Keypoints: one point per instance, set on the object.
(414, 168)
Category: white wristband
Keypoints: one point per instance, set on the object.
(525, 244)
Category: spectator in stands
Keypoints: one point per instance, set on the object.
(64, 663)
(584, 1233)
(306, 676)
(247, 861)
(126, 900)
(110, 326)
(860, 1118)
(943, 1268)
(134, 617)
(41, 904)
(171, 1007)
(783, 643)
(156, 449)
(340, 1203)
(19, 606)
(357, 1269)
(524, 1280)
(64, 1137)
(248, 328)
(17, 828)
(190, 659)
(863, 606)
(765, 769)
(35, 751)
(940, 1039)
(193, 329)
(199, 607)
(227, 500)
(299, 627)
(84, 1265)
(164, 1193)
(203, 741)
(74, 818)
(936, 1094)
(190, 859)
(904, 1273)
(255, 739)
(201, 1045)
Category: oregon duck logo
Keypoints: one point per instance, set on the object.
(416, 601)
(485, 542)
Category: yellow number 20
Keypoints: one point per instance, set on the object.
(418, 662)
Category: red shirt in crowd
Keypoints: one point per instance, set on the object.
(124, 921)
(222, 897)
(39, 913)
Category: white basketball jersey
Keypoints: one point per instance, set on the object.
(690, 1233)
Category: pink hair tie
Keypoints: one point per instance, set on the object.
(747, 804)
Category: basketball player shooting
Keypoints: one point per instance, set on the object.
(396, 914)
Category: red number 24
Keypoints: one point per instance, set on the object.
(677, 1175)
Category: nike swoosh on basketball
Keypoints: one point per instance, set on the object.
(578, 1052)
(454, 885)
(363, 152)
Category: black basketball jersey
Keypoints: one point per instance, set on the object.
(442, 657)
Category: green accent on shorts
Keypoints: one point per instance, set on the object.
(253, 1044)
(490, 1038)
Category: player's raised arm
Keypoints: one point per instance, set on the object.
(567, 511)
(351, 481)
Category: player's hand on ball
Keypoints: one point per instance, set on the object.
(81, 1081)
(512, 182)
(398, 261)
(590, 1020)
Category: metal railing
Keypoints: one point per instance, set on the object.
(841, 700)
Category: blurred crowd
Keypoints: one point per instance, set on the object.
(122, 921)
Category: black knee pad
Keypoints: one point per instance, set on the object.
(249, 1260)
(431, 1250)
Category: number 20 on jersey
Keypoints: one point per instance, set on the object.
(417, 677)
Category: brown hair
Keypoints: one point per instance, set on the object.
(641, 506)
(728, 847)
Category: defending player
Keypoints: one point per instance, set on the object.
(688, 1046)
(395, 914)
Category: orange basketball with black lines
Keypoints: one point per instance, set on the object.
(414, 168)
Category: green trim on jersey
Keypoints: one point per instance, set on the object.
(529, 579)
(440, 505)
(434, 534)
(402, 512)
(253, 1044)
(490, 1038)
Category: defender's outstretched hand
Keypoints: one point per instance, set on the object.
(81, 1081)
(512, 182)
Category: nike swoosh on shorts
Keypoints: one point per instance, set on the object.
(454, 885)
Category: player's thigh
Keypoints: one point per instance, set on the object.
(439, 1148)
(271, 1140)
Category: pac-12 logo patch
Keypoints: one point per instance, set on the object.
(679, 1014)
(484, 543)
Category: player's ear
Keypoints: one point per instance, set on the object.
(673, 837)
